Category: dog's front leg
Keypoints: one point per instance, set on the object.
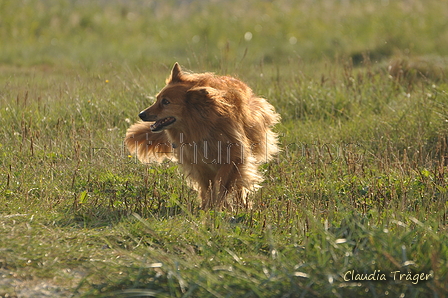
(206, 195)
(226, 182)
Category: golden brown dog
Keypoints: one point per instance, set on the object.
(217, 129)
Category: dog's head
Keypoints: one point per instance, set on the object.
(171, 102)
(168, 108)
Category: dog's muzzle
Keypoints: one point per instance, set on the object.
(145, 117)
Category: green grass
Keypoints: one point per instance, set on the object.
(361, 183)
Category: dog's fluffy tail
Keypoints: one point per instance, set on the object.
(146, 145)
(262, 118)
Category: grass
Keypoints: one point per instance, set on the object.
(360, 186)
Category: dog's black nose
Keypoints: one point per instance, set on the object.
(143, 116)
(147, 117)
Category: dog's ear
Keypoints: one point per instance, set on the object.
(176, 74)
(201, 94)
(207, 99)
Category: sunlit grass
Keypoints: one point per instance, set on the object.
(43, 32)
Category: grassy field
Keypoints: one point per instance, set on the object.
(359, 190)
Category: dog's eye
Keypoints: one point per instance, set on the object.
(165, 102)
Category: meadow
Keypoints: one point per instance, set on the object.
(355, 205)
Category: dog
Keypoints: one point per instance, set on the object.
(216, 128)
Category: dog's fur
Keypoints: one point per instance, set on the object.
(215, 127)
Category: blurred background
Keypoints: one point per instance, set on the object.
(218, 34)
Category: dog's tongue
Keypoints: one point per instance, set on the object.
(158, 125)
